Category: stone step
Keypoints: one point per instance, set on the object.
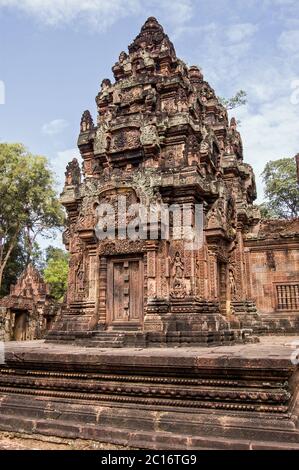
(50, 433)
(106, 339)
(103, 344)
(97, 334)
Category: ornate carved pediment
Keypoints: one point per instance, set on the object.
(222, 216)
(122, 247)
(149, 136)
(125, 139)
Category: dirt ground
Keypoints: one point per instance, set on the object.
(13, 441)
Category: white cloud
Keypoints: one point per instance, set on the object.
(289, 41)
(183, 30)
(55, 127)
(240, 31)
(220, 47)
(98, 14)
(178, 11)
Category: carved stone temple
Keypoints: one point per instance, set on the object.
(161, 136)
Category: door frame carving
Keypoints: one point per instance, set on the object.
(103, 305)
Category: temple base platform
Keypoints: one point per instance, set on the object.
(242, 396)
(135, 339)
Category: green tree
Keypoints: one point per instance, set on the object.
(266, 211)
(56, 271)
(281, 188)
(239, 99)
(13, 269)
(29, 206)
(17, 263)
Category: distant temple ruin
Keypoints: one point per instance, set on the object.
(29, 310)
(163, 137)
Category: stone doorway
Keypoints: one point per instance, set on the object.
(125, 293)
(20, 326)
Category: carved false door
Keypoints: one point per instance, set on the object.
(125, 293)
(20, 326)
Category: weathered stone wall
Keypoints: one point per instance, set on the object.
(272, 261)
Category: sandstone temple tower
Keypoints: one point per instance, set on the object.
(161, 136)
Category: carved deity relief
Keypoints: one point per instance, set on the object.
(77, 285)
(117, 96)
(105, 85)
(87, 215)
(116, 208)
(168, 106)
(179, 290)
(173, 156)
(151, 100)
(216, 215)
(206, 144)
(80, 277)
(102, 141)
(123, 57)
(125, 139)
(76, 244)
(149, 135)
(232, 285)
(178, 267)
(182, 101)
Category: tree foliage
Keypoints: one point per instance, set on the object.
(266, 211)
(28, 203)
(13, 269)
(56, 271)
(17, 263)
(281, 188)
(239, 99)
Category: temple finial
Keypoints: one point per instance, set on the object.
(233, 123)
(151, 37)
(151, 24)
(86, 122)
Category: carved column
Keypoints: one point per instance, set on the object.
(93, 277)
(248, 292)
(201, 275)
(102, 292)
(240, 267)
(156, 306)
(152, 284)
(213, 275)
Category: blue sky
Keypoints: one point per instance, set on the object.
(55, 53)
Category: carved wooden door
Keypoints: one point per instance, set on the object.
(125, 292)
